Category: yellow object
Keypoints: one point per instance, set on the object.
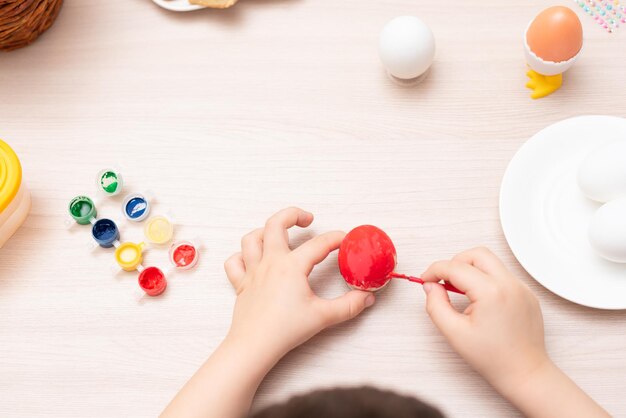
(159, 230)
(216, 4)
(129, 255)
(14, 196)
(10, 175)
(543, 85)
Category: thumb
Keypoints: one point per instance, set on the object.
(441, 312)
(347, 306)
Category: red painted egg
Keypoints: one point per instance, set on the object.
(366, 258)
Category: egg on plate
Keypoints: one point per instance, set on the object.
(607, 231)
(602, 174)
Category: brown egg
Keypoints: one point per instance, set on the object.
(556, 34)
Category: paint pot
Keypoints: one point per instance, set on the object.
(183, 255)
(128, 255)
(14, 195)
(109, 181)
(159, 230)
(105, 232)
(82, 209)
(152, 281)
(136, 207)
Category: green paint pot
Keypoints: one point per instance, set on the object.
(82, 209)
(110, 181)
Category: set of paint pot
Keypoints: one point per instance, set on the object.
(14, 196)
(158, 230)
(183, 255)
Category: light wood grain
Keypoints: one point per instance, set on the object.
(231, 115)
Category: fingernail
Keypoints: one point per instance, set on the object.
(369, 301)
(428, 286)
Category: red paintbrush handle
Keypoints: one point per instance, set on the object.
(449, 287)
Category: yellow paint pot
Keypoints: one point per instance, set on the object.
(129, 255)
(159, 230)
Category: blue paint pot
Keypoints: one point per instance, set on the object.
(136, 207)
(105, 232)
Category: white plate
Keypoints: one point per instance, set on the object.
(178, 5)
(545, 216)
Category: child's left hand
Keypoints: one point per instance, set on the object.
(276, 310)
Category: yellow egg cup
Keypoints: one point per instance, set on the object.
(543, 85)
(545, 77)
(129, 255)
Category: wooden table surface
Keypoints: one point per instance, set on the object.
(228, 116)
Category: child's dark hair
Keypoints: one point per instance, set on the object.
(360, 402)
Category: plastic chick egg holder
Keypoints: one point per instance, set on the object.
(14, 195)
(553, 41)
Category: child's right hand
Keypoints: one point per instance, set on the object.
(500, 334)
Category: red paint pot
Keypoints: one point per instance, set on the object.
(367, 258)
(183, 255)
(152, 281)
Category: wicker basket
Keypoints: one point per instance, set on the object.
(22, 21)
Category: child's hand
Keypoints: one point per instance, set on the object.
(276, 310)
(500, 334)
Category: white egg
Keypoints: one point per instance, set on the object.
(602, 175)
(406, 47)
(607, 231)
